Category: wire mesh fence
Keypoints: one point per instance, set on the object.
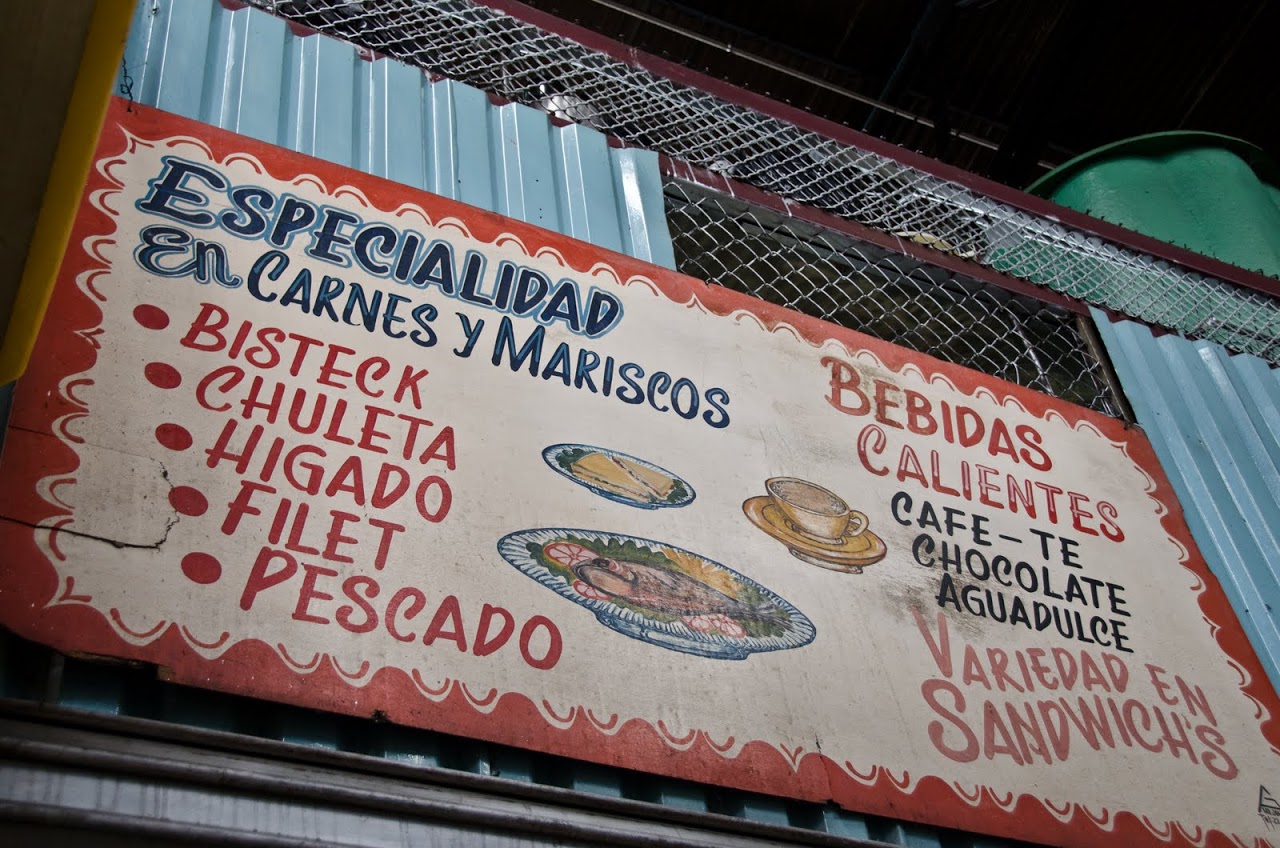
(481, 46)
(892, 297)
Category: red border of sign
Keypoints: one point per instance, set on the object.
(67, 345)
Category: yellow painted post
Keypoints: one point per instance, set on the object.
(99, 63)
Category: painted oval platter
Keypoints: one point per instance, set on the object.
(618, 476)
(659, 593)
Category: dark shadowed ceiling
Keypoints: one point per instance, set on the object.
(1005, 88)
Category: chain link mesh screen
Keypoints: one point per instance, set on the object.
(501, 54)
(892, 297)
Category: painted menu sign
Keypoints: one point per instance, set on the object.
(299, 433)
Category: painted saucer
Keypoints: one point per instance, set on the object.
(849, 554)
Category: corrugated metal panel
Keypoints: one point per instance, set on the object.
(248, 72)
(129, 782)
(1214, 420)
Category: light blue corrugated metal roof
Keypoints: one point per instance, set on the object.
(247, 72)
(1214, 420)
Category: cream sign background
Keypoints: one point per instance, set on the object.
(404, 457)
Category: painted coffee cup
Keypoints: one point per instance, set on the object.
(813, 511)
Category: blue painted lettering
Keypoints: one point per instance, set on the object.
(390, 318)
(295, 214)
(273, 263)
(204, 261)
(471, 275)
(531, 350)
(247, 215)
(563, 305)
(362, 248)
(199, 195)
(369, 307)
(423, 314)
(436, 268)
(530, 290)
(172, 186)
(558, 365)
(630, 373)
(332, 234)
(659, 382)
(472, 332)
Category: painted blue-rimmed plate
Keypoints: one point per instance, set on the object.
(635, 490)
(659, 593)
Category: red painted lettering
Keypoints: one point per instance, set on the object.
(554, 647)
(486, 644)
(309, 593)
(351, 589)
(210, 320)
(845, 381)
(968, 751)
(261, 577)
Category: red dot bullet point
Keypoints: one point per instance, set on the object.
(188, 501)
(151, 317)
(201, 568)
(173, 436)
(162, 375)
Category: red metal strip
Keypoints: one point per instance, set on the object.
(1036, 206)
